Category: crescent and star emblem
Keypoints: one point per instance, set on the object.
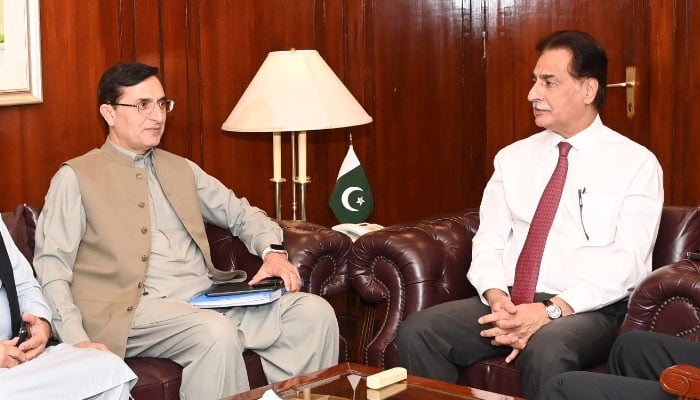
(346, 194)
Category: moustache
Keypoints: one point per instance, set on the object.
(541, 107)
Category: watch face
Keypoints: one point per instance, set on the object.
(553, 311)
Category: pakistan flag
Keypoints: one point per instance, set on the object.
(351, 200)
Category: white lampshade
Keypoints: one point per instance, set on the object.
(295, 91)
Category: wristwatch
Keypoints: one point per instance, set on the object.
(553, 310)
(274, 248)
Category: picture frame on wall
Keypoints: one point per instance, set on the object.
(20, 53)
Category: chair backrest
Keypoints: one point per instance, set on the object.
(21, 222)
(679, 232)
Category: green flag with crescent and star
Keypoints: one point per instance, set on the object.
(351, 199)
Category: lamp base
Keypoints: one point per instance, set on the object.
(302, 197)
(278, 196)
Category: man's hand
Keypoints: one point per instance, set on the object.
(40, 332)
(511, 325)
(276, 264)
(502, 318)
(91, 345)
(10, 355)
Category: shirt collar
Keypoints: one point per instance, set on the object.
(133, 156)
(582, 141)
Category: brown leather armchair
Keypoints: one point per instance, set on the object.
(319, 252)
(668, 301)
(411, 266)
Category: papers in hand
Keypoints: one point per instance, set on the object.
(241, 295)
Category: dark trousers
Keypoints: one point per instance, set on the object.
(635, 364)
(436, 341)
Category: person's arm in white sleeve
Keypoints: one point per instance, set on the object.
(495, 225)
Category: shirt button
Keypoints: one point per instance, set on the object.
(130, 308)
(142, 204)
(140, 285)
(139, 175)
(144, 258)
(144, 230)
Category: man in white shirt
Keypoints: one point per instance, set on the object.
(34, 371)
(598, 248)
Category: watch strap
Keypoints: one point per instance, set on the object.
(274, 248)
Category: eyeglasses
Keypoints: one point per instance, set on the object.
(147, 106)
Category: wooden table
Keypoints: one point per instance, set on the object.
(334, 382)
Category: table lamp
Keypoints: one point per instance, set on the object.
(294, 91)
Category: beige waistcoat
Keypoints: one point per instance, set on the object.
(113, 256)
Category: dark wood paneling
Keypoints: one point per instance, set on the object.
(423, 130)
(664, 87)
(691, 134)
(174, 56)
(79, 41)
(440, 110)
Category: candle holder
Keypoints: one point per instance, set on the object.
(278, 196)
(302, 197)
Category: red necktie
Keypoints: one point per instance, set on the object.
(528, 266)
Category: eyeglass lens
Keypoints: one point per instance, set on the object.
(146, 106)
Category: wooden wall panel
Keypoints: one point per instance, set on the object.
(691, 134)
(181, 132)
(422, 135)
(79, 40)
(440, 110)
(664, 84)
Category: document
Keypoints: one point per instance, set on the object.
(252, 297)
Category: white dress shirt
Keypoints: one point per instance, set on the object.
(61, 371)
(28, 290)
(600, 244)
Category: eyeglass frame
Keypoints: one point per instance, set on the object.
(167, 105)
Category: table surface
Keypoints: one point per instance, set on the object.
(334, 384)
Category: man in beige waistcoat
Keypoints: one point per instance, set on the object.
(121, 249)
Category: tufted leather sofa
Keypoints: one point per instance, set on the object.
(411, 266)
(318, 252)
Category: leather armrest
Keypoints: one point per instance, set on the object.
(318, 252)
(407, 267)
(667, 301)
(682, 380)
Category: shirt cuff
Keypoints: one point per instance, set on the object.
(270, 249)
